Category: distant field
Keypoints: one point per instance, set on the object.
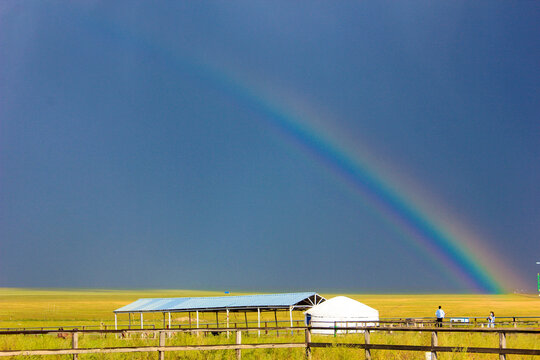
(453, 305)
(55, 307)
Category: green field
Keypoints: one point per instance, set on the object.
(50, 307)
(26, 308)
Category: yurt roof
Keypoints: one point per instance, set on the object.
(342, 306)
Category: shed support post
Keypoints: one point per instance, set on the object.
(245, 317)
(164, 326)
(115, 321)
(142, 327)
(189, 316)
(290, 317)
(170, 323)
(275, 317)
(227, 323)
(217, 320)
(129, 319)
(198, 322)
(259, 320)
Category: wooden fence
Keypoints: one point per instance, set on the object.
(510, 321)
(308, 345)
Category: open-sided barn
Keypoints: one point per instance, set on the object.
(217, 304)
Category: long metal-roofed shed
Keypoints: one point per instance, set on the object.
(244, 303)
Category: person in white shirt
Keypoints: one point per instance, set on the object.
(439, 314)
(491, 319)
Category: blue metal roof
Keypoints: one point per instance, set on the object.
(245, 302)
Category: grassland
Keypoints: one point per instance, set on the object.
(52, 307)
(25, 308)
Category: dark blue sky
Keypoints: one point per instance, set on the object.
(136, 149)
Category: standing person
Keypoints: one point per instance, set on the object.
(440, 316)
(491, 319)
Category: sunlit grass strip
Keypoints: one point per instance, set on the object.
(400, 344)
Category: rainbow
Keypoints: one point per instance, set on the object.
(457, 252)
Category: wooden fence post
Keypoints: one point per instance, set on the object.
(161, 343)
(308, 341)
(238, 342)
(502, 344)
(75, 344)
(434, 342)
(368, 350)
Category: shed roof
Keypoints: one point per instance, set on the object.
(301, 300)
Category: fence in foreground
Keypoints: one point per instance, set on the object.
(308, 345)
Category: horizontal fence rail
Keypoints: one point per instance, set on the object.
(506, 321)
(308, 345)
(506, 351)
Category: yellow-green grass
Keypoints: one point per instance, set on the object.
(60, 307)
(409, 338)
(453, 304)
(53, 307)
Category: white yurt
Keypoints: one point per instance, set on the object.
(340, 311)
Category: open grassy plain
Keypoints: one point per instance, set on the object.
(27, 308)
(453, 304)
(52, 307)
